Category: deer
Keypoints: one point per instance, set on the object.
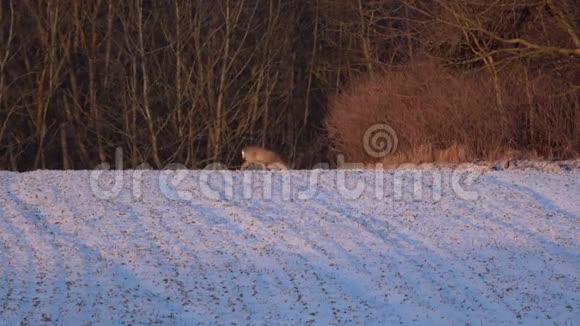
(258, 155)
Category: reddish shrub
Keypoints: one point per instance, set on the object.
(432, 107)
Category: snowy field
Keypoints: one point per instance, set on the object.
(432, 247)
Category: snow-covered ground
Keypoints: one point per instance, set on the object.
(415, 246)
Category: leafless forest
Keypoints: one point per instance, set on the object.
(192, 81)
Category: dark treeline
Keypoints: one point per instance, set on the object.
(193, 81)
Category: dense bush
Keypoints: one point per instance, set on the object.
(433, 109)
